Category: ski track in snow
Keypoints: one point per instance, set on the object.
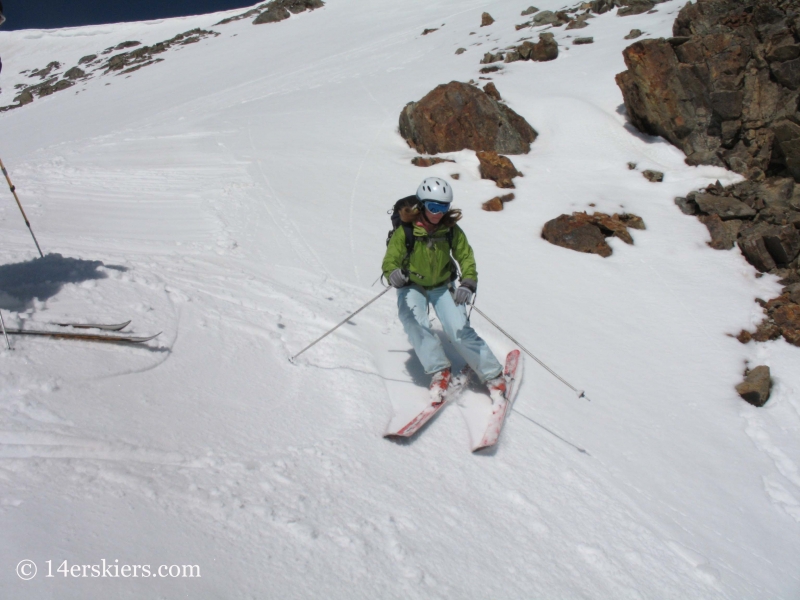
(236, 196)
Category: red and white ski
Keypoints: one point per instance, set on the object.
(440, 395)
(501, 405)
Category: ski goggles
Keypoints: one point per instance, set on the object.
(436, 207)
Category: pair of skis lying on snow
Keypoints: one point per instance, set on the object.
(91, 337)
(501, 403)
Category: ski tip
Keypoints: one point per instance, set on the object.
(139, 340)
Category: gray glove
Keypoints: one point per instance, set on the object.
(465, 291)
(398, 279)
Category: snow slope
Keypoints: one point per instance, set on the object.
(235, 196)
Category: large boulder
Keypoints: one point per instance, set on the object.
(725, 88)
(457, 116)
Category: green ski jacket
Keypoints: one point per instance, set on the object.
(429, 263)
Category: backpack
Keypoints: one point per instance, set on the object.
(408, 227)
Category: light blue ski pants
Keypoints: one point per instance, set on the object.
(412, 303)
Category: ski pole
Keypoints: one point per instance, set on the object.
(14, 191)
(580, 393)
(339, 325)
(3, 324)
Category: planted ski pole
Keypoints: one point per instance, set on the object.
(580, 393)
(24, 216)
(327, 333)
(3, 324)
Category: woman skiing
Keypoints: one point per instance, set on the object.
(424, 274)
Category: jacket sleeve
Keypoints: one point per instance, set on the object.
(462, 252)
(395, 252)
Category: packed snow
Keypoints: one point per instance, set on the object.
(233, 197)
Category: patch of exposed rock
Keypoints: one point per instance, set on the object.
(125, 62)
(486, 19)
(587, 233)
(725, 88)
(544, 50)
(498, 168)
(457, 116)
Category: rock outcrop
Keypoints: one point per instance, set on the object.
(457, 116)
(762, 218)
(587, 233)
(279, 10)
(725, 88)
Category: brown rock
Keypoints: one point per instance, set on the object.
(756, 387)
(718, 89)
(576, 232)
(427, 31)
(279, 10)
(783, 243)
(564, 228)
(529, 11)
(653, 176)
(724, 206)
(635, 33)
(455, 175)
(756, 253)
(787, 318)
(74, 73)
(491, 91)
(766, 331)
(461, 51)
(635, 7)
(428, 161)
(723, 233)
(493, 205)
(546, 17)
(583, 40)
(486, 19)
(498, 168)
(458, 116)
(546, 49)
(631, 221)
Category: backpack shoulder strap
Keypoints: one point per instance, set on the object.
(408, 228)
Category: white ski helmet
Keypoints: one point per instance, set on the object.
(433, 188)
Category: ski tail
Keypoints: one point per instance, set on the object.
(102, 326)
(512, 373)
